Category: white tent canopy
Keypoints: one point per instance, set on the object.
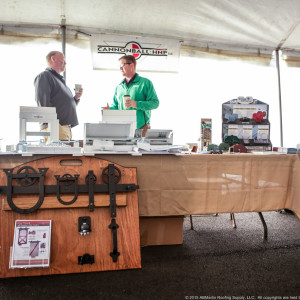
(209, 74)
(254, 25)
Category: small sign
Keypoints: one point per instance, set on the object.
(31, 247)
(152, 54)
(206, 126)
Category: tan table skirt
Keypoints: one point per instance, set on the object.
(203, 184)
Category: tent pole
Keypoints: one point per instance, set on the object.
(63, 28)
(63, 40)
(279, 95)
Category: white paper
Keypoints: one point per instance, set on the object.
(31, 247)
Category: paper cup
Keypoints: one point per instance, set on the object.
(77, 88)
(125, 97)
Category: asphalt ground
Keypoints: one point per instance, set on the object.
(214, 262)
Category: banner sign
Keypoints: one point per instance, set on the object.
(152, 54)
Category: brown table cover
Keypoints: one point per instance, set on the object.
(173, 185)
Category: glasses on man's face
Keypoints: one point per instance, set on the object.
(122, 65)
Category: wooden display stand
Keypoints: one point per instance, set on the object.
(67, 245)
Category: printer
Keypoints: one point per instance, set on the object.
(108, 136)
(159, 136)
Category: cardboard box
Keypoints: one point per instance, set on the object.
(161, 230)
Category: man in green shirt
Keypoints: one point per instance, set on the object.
(142, 95)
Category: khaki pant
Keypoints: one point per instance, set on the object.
(65, 133)
(145, 128)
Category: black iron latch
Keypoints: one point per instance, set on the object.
(84, 225)
(86, 259)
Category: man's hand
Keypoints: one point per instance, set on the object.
(79, 94)
(105, 107)
(130, 103)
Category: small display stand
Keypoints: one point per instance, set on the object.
(93, 208)
(247, 119)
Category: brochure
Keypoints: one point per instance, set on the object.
(31, 246)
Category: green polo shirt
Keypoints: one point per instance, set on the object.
(141, 90)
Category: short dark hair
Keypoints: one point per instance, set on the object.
(129, 59)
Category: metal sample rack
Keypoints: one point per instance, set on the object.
(30, 114)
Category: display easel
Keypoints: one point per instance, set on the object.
(85, 237)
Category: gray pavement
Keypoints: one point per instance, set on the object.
(215, 261)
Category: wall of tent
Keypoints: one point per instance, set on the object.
(204, 81)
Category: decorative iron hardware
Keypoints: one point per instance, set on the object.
(111, 172)
(26, 179)
(86, 259)
(112, 175)
(114, 226)
(91, 184)
(84, 225)
(67, 180)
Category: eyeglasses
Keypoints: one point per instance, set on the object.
(122, 65)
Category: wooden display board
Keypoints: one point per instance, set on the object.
(66, 242)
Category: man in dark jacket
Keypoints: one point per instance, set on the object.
(52, 91)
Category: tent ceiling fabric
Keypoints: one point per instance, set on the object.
(253, 24)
